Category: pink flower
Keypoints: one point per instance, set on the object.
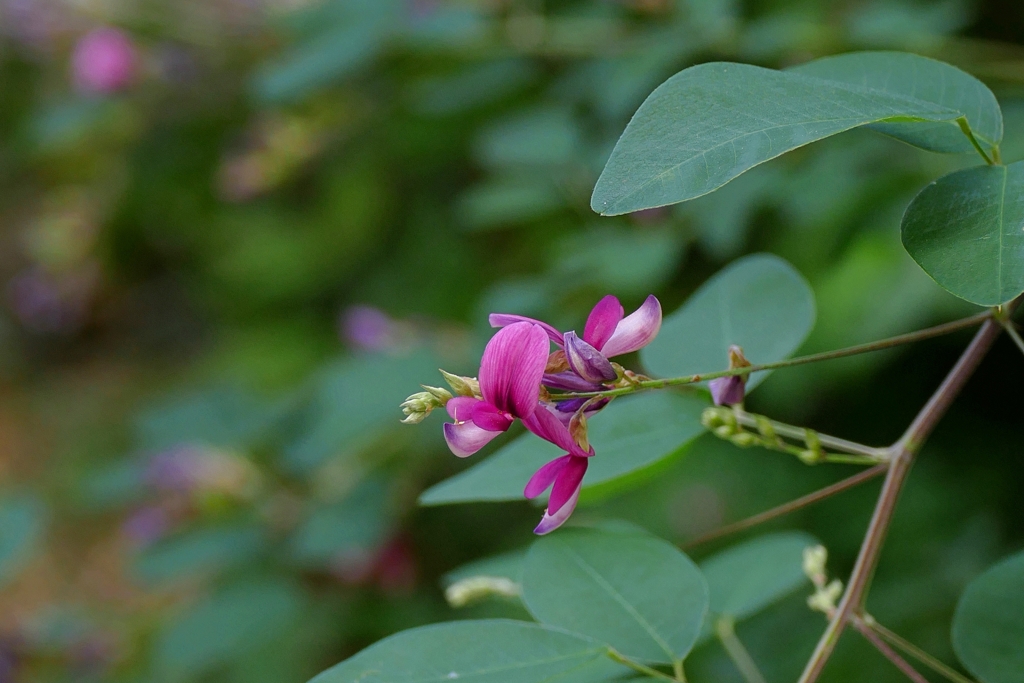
(104, 62)
(728, 391)
(563, 475)
(510, 375)
(607, 333)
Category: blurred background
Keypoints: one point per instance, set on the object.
(237, 233)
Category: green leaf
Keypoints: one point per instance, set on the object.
(910, 75)
(630, 435)
(966, 230)
(711, 122)
(357, 523)
(238, 620)
(637, 593)
(22, 519)
(746, 578)
(507, 566)
(759, 302)
(988, 626)
(485, 651)
(200, 552)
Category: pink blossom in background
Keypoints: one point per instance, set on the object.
(104, 62)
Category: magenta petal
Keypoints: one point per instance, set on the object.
(512, 367)
(569, 381)
(465, 438)
(586, 361)
(506, 319)
(636, 330)
(727, 391)
(545, 477)
(567, 483)
(547, 426)
(488, 417)
(549, 522)
(602, 321)
(461, 408)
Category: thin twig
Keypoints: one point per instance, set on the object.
(890, 654)
(902, 458)
(914, 651)
(637, 666)
(725, 629)
(792, 432)
(1011, 330)
(791, 506)
(898, 340)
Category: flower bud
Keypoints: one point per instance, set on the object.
(418, 406)
(824, 599)
(744, 439)
(815, 558)
(724, 431)
(442, 395)
(809, 457)
(462, 386)
(474, 588)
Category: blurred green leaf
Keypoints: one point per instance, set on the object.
(540, 137)
(508, 200)
(624, 262)
(199, 553)
(930, 80)
(358, 522)
(628, 436)
(750, 576)
(758, 302)
(966, 230)
(473, 86)
(224, 417)
(988, 627)
(710, 123)
(486, 651)
(22, 521)
(506, 565)
(637, 593)
(239, 619)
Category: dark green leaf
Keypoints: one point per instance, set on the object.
(711, 122)
(199, 553)
(758, 302)
(487, 651)
(507, 566)
(358, 523)
(637, 593)
(902, 73)
(629, 435)
(988, 627)
(21, 527)
(966, 230)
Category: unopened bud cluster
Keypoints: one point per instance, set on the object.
(419, 405)
(723, 423)
(826, 593)
(475, 588)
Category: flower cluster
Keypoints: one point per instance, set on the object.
(517, 370)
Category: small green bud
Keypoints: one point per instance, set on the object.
(810, 457)
(744, 439)
(462, 386)
(764, 426)
(474, 588)
(710, 418)
(815, 558)
(724, 431)
(442, 395)
(825, 599)
(418, 406)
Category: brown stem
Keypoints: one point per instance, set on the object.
(903, 452)
(890, 654)
(786, 508)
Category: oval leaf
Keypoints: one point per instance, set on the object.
(709, 123)
(988, 627)
(759, 302)
(630, 435)
(910, 75)
(635, 592)
(966, 230)
(747, 578)
(485, 651)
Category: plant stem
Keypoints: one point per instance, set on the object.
(903, 452)
(725, 629)
(965, 127)
(890, 654)
(1011, 330)
(914, 651)
(637, 666)
(677, 666)
(791, 506)
(898, 340)
(792, 432)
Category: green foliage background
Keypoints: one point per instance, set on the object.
(206, 234)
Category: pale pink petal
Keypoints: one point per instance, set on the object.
(512, 367)
(569, 381)
(506, 319)
(567, 482)
(602, 321)
(545, 477)
(549, 523)
(547, 426)
(586, 361)
(636, 330)
(465, 438)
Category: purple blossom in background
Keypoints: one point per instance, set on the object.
(178, 469)
(369, 329)
(46, 304)
(511, 369)
(105, 61)
(146, 525)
